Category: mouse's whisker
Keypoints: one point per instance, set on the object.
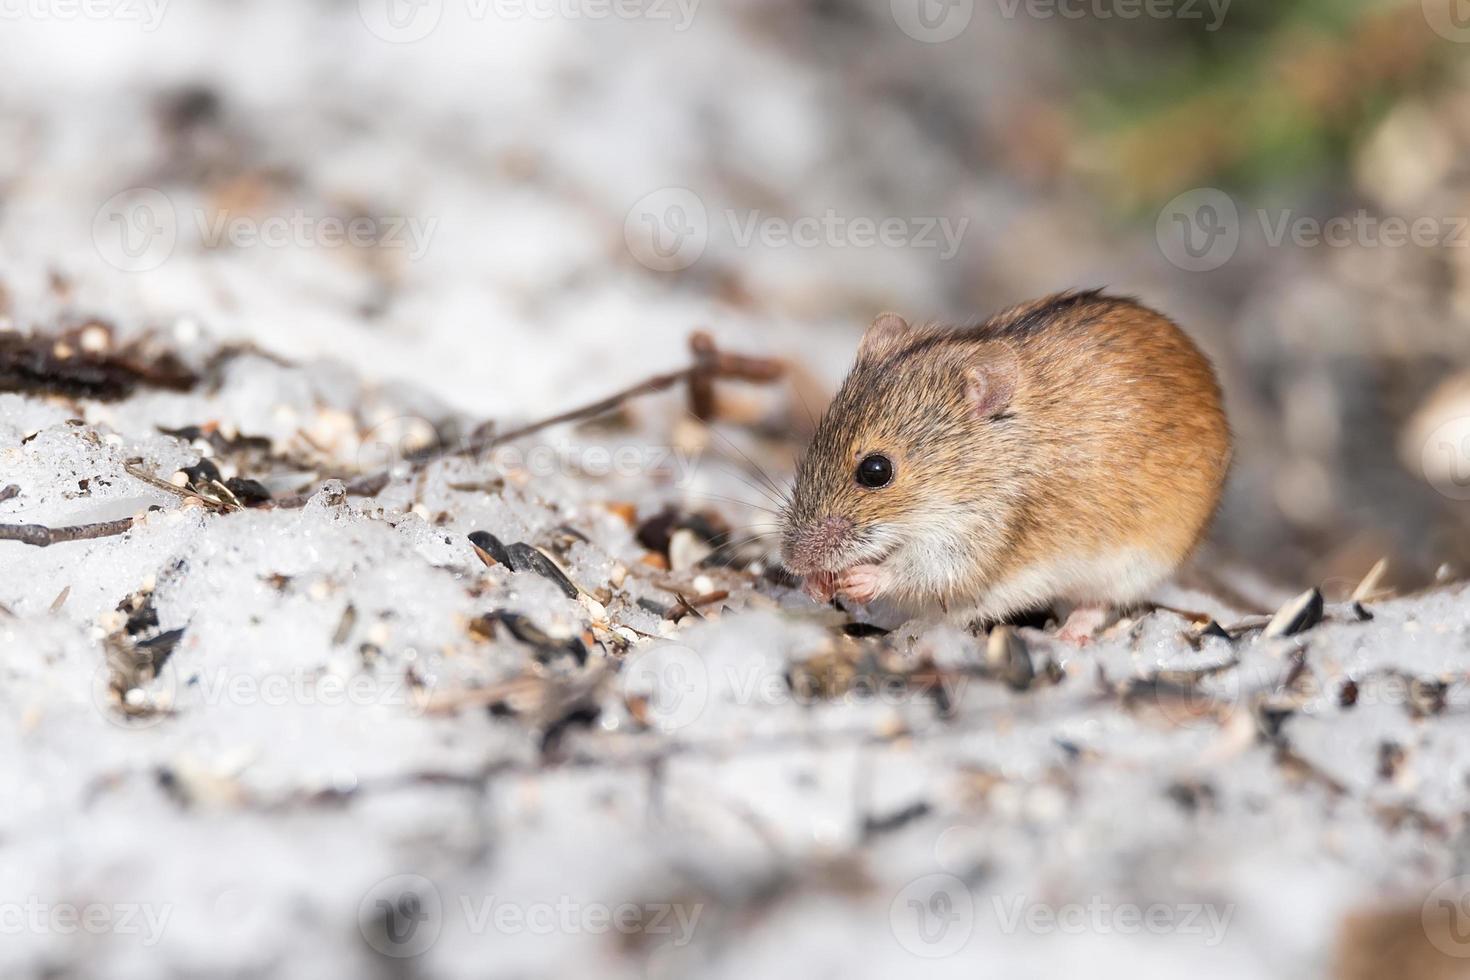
(756, 467)
(772, 498)
(734, 500)
(734, 545)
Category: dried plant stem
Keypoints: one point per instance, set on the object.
(41, 536)
(710, 364)
(661, 382)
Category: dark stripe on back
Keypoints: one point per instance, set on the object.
(1017, 325)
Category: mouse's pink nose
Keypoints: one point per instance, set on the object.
(817, 543)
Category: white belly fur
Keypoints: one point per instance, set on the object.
(1120, 578)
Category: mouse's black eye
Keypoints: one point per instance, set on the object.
(875, 471)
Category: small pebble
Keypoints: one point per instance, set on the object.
(687, 550)
(595, 610)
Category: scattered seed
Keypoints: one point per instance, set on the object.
(491, 550)
(1214, 630)
(595, 610)
(1297, 616)
(1192, 796)
(344, 625)
(202, 473)
(573, 534)
(657, 532)
(160, 646)
(687, 550)
(250, 493)
(1270, 717)
(1007, 655)
(657, 608)
(582, 715)
(1427, 697)
(548, 646)
(525, 558)
(1390, 757)
(874, 826)
(1369, 587)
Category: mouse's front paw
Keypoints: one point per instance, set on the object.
(861, 583)
(821, 586)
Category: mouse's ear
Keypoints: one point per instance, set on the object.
(885, 336)
(991, 380)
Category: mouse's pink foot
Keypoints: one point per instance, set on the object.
(861, 583)
(821, 586)
(1084, 623)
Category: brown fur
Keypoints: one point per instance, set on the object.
(1114, 436)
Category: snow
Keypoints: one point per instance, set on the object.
(313, 745)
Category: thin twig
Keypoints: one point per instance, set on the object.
(184, 493)
(661, 382)
(41, 536)
(710, 364)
